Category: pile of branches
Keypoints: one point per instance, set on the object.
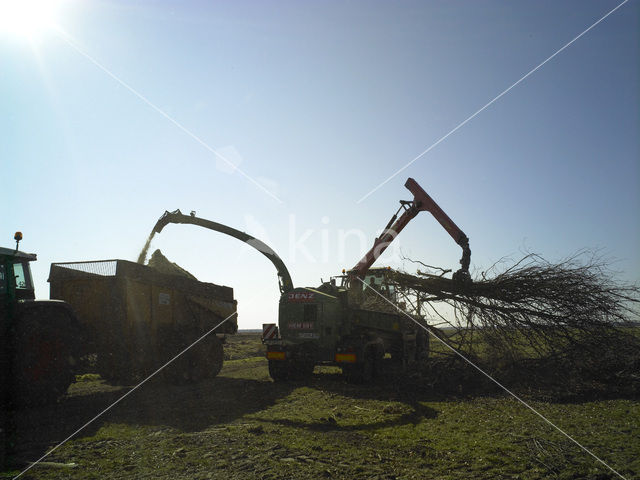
(574, 317)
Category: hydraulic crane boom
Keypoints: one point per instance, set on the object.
(421, 202)
(177, 216)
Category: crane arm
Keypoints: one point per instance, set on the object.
(285, 282)
(421, 202)
(428, 204)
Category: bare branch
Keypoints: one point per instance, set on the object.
(574, 310)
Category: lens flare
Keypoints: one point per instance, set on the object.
(28, 18)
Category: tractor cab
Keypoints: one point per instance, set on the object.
(15, 275)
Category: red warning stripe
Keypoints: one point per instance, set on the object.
(269, 330)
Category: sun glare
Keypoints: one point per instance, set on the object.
(28, 18)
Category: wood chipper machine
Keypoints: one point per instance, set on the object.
(354, 320)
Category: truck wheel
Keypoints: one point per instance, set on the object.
(115, 366)
(422, 346)
(44, 349)
(378, 366)
(279, 370)
(283, 370)
(205, 358)
(359, 372)
(305, 370)
(106, 367)
(177, 372)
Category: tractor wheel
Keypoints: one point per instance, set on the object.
(44, 350)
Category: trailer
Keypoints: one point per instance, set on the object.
(136, 318)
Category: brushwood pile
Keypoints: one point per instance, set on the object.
(570, 326)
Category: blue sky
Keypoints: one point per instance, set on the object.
(321, 102)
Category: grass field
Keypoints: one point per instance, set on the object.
(242, 425)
